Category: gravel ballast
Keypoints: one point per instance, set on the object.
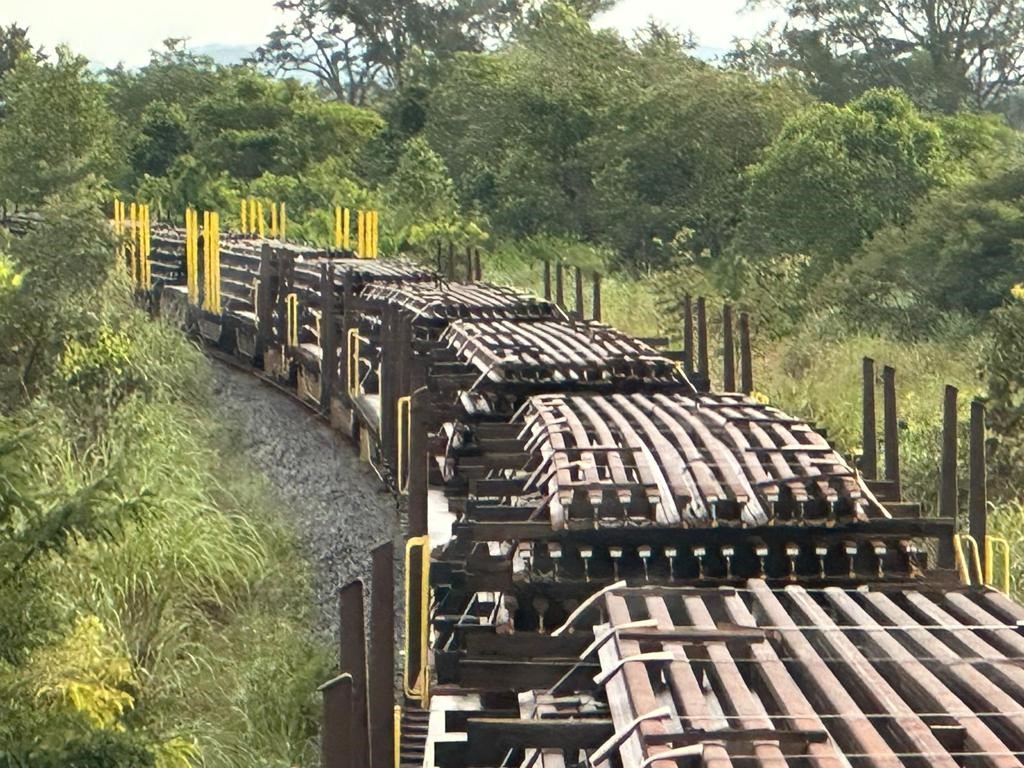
(338, 506)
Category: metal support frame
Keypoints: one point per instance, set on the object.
(417, 620)
(337, 734)
(746, 363)
(328, 337)
(580, 315)
(702, 337)
(869, 455)
(381, 671)
(891, 429)
(688, 333)
(728, 351)
(977, 509)
(352, 661)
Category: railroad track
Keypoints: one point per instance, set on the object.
(607, 561)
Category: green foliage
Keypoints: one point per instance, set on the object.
(947, 56)
(140, 561)
(56, 129)
(968, 243)
(574, 133)
(836, 175)
(163, 137)
(1005, 369)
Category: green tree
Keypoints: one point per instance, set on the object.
(354, 47)
(669, 159)
(836, 175)
(947, 54)
(961, 251)
(253, 125)
(514, 127)
(163, 137)
(57, 129)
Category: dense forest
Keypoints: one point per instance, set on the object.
(854, 177)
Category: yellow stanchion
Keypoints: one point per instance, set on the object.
(398, 736)
(133, 213)
(215, 245)
(337, 226)
(403, 427)
(419, 688)
(259, 218)
(252, 216)
(119, 231)
(361, 234)
(206, 260)
(292, 306)
(284, 223)
(959, 540)
(353, 362)
(376, 234)
(191, 245)
(346, 229)
(990, 547)
(144, 279)
(273, 220)
(243, 218)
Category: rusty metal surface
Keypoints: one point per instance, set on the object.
(687, 456)
(833, 682)
(557, 352)
(453, 301)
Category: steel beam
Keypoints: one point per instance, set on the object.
(869, 456)
(977, 511)
(891, 429)
(381, 671)
(352, 661)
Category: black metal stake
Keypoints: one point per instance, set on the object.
(869, 456)
(728, 351)
(746, 364)
(352, 660)
(891, 427)
(977, 510)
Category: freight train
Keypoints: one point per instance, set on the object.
(607, 562)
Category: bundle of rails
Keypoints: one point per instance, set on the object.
(607, 563)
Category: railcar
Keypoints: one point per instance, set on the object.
(607, 561)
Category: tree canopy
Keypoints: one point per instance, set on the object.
(947, 54)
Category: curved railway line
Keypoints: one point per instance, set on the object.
(607, 562)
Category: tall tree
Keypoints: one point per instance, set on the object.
(57, 128)
(947, 54)
(354, 46)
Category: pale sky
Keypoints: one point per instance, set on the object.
(109, 31)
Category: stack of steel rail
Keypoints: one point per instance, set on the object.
(756, 675)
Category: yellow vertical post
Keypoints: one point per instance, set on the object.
(215, 277)
(252, 217)
(337, 226)
(284, 222)
(243, 218)
(194, 287)
(376, 234)
(361, 234)
(346, 229)
(118, 227)
(144, 250)
(206, 260)
(273, 219)
(259, 218)
(133, 222)
(188, 252)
